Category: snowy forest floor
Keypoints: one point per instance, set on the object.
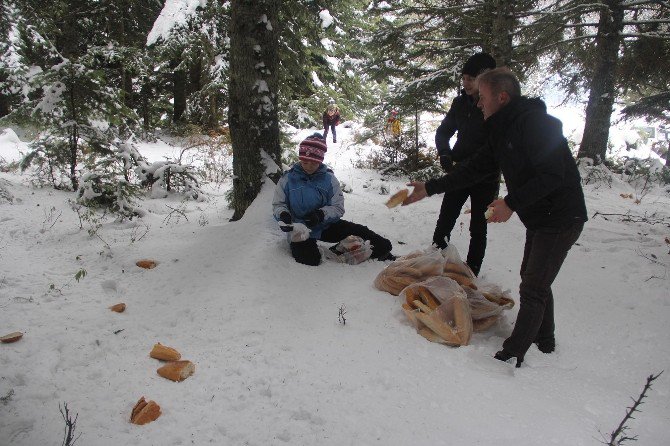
(274, 366)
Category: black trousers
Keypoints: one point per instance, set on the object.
(481, 195)
(307, 252)
(543, 256)
(332, 128)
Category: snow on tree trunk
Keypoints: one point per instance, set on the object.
(502, 26)
(252, 113)
(602, 85)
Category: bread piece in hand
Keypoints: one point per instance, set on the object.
(177, 370)
(164, 353)
(397, 198)
(145, 412)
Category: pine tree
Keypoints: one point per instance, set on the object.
(594, 37)
(252, 113)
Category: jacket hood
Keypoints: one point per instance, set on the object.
(517, 107)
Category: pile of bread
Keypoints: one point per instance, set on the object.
(174, 369)
(441, 296)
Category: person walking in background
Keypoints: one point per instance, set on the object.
(393, 124)
(544, 189)
(309, 193)
(467, 119)
(331, 118)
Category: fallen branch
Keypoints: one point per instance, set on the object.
(70, 426)
(651, 257)
(619, 435)
(628, 217)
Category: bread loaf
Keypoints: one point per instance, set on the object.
(410, 296)
(397, 198)
(12, 337)
(484, 324)
(164, 353)
(458, 268)
(427, 297)
(442, 329)
(177, 370)
(118, 308)
(462, 280)
(499, 299)
(431, 335)
(145, 412)
(410, 313)
(146, 264)
(463, 320)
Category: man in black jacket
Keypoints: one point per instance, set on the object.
(543, 188)
(465, 118)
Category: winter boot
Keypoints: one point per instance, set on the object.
(503, 356)
(546, 345)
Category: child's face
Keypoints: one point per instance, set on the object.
(309, 166)
(331, 112)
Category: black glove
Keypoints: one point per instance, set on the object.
(314, 218)
(446, 163)
(285, 218)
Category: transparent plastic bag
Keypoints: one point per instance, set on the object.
(352, 250)
(415, 267)
(439, 310)
(454, 264)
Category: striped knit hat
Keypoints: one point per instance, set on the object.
(313, 148)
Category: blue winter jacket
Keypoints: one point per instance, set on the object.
(300, 194)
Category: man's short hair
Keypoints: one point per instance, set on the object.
(501, 79)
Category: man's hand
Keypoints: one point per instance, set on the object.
(501, 212)
(417, 194)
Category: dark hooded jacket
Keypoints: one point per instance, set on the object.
(467, 119)
(543, 182)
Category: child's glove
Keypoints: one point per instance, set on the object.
(314, 218)
(285, 222)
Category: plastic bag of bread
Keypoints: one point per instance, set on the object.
(352, 251)
(454, 265)
(439, 310)
(484, 313)
(415, 267)
(493, 293)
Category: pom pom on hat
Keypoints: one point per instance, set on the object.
(313, 148)
(478, 63)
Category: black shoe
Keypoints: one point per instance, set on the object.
(547, 345)
(334, 141)
(503, 356)
(384, 257)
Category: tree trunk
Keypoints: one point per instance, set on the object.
(415, 161)
(252, 112)
(179, 81)
(501, 30)
(602, 89)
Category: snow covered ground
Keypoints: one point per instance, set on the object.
(273, 364)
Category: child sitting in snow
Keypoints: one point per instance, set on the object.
(309, 194)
